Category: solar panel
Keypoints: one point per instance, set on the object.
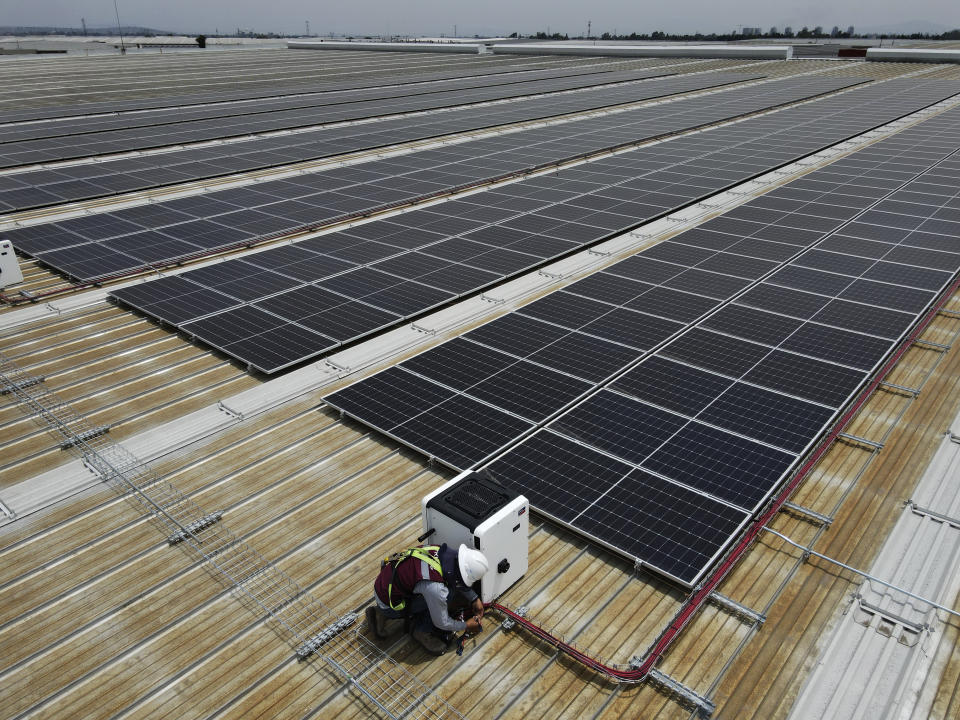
(707, 427)
(233, 229)
(684, 292)
(96, 136)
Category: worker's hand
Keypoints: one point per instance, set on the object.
(473, 626)
(477, 608)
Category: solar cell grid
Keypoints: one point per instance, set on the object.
(767, 416)
(344, 205)
(584, 356)
(631, 328)
(517, 333)
(756, 325)
(838, 346)
(461, 430)
(177, 167)
(619, 425)
(674, 530)
(672, 304)
(726, 466)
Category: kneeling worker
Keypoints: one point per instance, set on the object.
(417, 584)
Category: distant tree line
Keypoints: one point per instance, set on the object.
(126, 30)
(753, 33)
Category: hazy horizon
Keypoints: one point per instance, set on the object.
(495, 17)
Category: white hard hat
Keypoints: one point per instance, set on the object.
(473, 564)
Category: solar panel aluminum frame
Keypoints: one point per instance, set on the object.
(638, 563)
(868, 376)
(431, 458)
(801, 457)
(305, 358)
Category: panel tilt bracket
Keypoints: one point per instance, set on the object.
(702, 706)
(315, 642)
(735, 608)
(422, 329)
(807, 512)
(939, 347)
(509, 623)
(862, 441)
(913, 392)
(940, 517)
(22, 385)
(230, 411)
(82, 437)
(195, 527)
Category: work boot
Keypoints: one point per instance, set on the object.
(430, 642)
(377, 622)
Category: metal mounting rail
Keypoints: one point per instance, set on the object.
(861, 440)
(933, 514)
(685, 695)
(913, 392)
(302, 620)
(732, 606)
(807, 512)
(939, 347)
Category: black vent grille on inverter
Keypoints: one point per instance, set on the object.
(475, 499)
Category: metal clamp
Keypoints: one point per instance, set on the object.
(509, 623)
(195, 527)
(317, 641)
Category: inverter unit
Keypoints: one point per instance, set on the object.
(9, 265)
(477, 511)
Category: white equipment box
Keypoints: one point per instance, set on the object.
(9, 266)
(476, 510)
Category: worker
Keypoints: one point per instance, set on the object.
(421, 585)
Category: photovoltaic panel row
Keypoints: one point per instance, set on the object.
(317, 100)
(314, 108)
(95, 179)
(402, 267)
(710, 424)
(27, 151)
(397, 74)
(285, 205)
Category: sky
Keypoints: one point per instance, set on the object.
(486, 17)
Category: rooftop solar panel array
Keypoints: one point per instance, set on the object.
(722, 366)
(338, 287)
(336, 194)
(388, 72)
(51, 186)
(90, 136)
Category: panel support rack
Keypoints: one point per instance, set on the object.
(932, 345)
(736, 608)
(933, 514)
(877, 610)
(703, 707)
(949, 313)
(29, 381)
(812, 514)
(195, 527)
(317, 641)
(913, 392)
(84, 436)
(863, 441)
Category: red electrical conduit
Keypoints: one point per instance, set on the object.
(696, 599)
